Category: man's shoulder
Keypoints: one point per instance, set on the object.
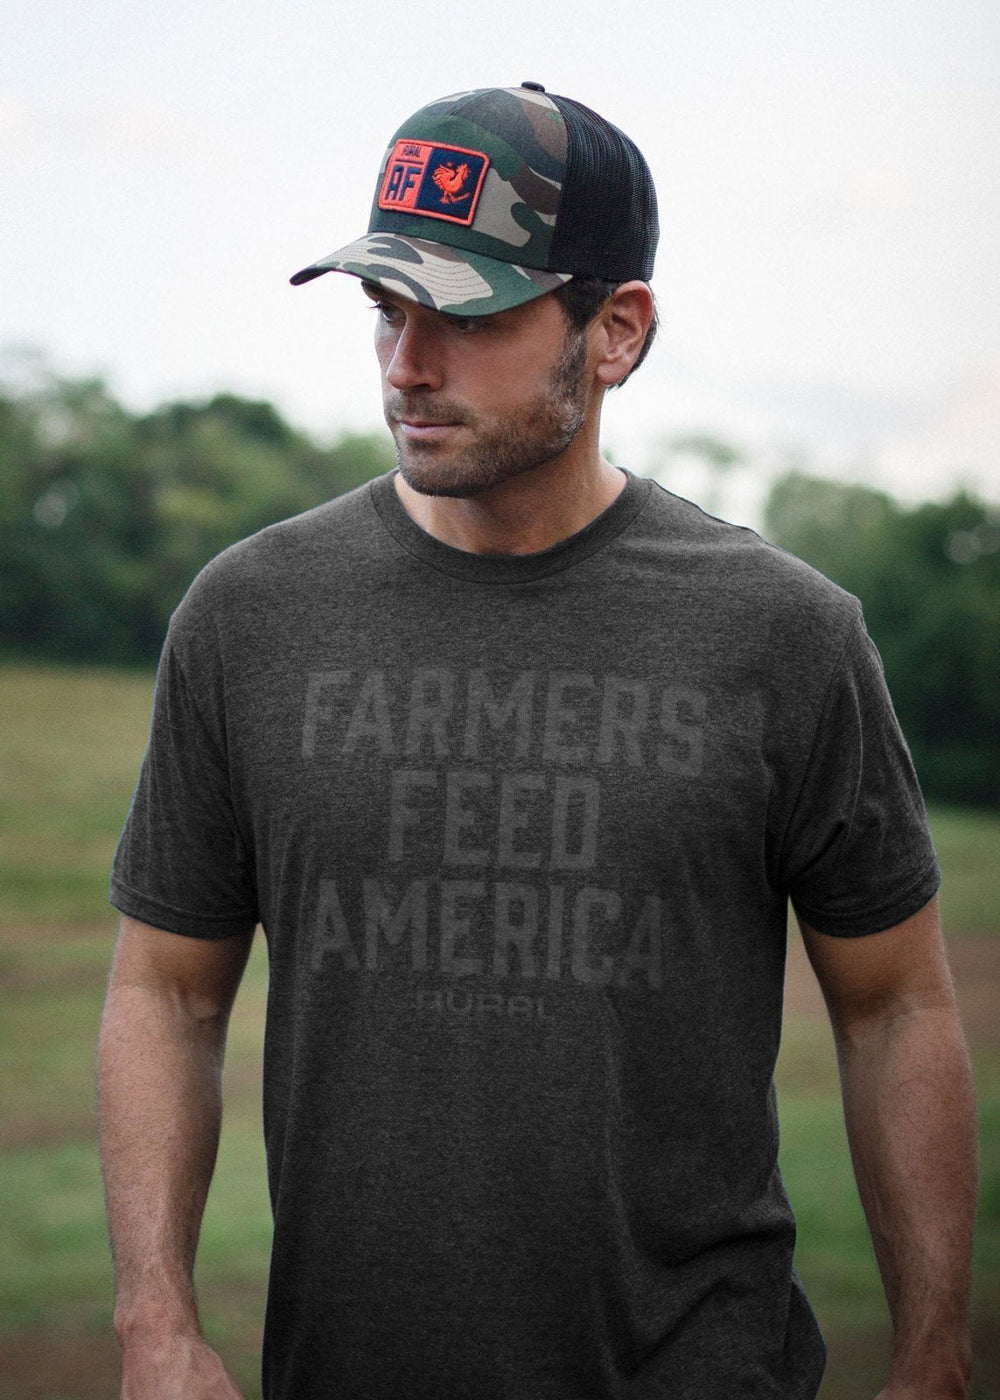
(333, 523)
(715, 559)
(288, 553)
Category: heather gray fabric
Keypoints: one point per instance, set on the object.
(521, 833)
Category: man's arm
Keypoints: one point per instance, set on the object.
(910, 1112)
(159, 1089)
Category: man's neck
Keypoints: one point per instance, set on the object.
(525, 515)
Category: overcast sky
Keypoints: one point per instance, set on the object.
(828, 176)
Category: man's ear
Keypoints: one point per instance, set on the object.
(622, 324)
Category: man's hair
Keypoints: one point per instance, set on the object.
(582, 297)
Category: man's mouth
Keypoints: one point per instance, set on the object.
(425, 429)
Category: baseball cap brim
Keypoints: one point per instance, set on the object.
(436, 275)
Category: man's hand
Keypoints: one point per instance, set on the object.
(175, 1368)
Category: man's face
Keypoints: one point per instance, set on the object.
(475, 401)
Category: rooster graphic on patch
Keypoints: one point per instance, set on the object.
(449, 180)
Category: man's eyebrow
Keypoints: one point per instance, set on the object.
(377, 293)
(490, 316)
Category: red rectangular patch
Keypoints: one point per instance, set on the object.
(439, 182)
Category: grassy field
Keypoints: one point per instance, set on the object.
(71, 745)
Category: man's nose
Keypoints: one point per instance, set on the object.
(415, 362)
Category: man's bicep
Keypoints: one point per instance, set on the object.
(901, 969)
(204, 973)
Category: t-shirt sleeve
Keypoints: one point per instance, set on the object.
(857, 855)
(181, 862)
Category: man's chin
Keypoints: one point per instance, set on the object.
(430, 481)
(457, 492)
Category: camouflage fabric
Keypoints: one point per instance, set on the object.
(462, 246)
(436, 276)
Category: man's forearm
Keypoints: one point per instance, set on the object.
(909, 1103)
(159, 1084)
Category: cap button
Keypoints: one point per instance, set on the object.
(535, 87)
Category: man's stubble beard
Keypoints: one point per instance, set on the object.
(539, 431)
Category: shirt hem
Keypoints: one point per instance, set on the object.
(171, 920)
(886, 916)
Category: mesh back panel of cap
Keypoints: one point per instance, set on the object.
(607, 224)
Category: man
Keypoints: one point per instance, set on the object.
(517, 759)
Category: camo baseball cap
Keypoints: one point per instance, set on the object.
(490, 198)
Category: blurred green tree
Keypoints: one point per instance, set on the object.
(105, 517)
(929, 580)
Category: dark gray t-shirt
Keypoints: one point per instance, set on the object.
(521, 832)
